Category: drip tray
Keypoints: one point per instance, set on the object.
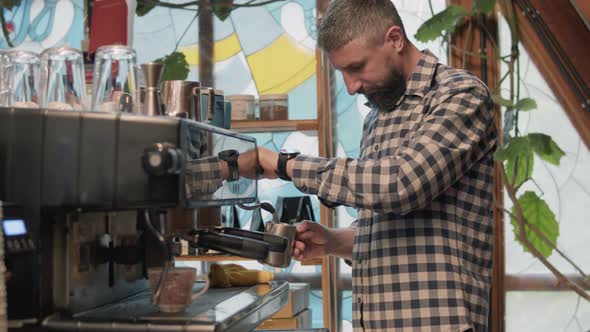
(219, 309)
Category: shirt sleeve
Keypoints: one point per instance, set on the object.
(454, 135)
(203, 176)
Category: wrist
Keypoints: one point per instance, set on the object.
(332, 238)
(289, 168)
(229, 171)
(340, 241)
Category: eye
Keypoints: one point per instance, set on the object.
(355, 67)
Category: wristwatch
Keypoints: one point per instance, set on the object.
(231, 158)
(284, 156)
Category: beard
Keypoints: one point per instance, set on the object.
(387, 95)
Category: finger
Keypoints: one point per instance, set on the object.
(306, 236)
(298, 254)
(303, 226)
(299, 245)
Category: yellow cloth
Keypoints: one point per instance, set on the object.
(234, 275)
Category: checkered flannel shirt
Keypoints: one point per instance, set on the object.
(423, 185)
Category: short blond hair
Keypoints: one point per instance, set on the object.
(346, 20)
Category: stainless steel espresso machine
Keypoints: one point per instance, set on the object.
(87, 189)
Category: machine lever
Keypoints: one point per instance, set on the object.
(275, 243)
(235, 245)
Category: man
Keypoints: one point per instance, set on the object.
(421, 248)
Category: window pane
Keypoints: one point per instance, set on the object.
(566, 189)
(266, 49)
(546, 311)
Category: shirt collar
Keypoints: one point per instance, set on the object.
(421, 78)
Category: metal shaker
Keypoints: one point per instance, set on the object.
(152, 72)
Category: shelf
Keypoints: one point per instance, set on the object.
(257, 126)
(211, 258)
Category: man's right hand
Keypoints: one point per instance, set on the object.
(311, 240)
(314, 240)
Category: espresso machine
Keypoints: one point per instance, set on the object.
(86, 196)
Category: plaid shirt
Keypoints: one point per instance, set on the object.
(422, 255)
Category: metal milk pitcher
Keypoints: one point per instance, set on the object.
(281, 259)
(182, 99)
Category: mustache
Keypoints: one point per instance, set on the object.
(376, 91)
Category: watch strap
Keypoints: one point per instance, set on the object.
(282, 165)
(233, 171)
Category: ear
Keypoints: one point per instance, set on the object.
(394, 38)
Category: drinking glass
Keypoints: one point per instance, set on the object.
(63, 81)
(23, 75)
(5, 82)
(114, 84)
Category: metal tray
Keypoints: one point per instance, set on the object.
(225, 309)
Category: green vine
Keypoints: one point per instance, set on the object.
(535, 225)
(7, 4)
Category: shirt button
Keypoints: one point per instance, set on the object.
(376, 147)
(358, 299)
(304, 188)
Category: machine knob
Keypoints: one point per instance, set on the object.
(161, 159)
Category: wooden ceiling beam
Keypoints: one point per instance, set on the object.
(564, 39)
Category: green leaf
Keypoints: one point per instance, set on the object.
(484, 6)
(537, 213)
(546, 148)
(519, 160)
(526, 104)
(524, 169)
(176, 67)
(443, 21)
(143, 8)
(501, 101)
(517, 147)
(222, 8)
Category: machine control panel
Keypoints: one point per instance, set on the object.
(16, 237)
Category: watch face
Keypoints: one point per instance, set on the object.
(289, 151)
(229, 154)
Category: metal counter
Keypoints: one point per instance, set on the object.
(220, 309)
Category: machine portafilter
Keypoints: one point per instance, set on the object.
(272, 247)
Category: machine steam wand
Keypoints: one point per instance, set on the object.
(162, 241)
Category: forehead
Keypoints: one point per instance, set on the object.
(353, 52)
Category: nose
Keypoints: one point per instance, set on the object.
(353, 85)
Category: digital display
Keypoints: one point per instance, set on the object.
(14, 227)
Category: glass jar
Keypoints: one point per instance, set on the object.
(243, 107)
(274, 107)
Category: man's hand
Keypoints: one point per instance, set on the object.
(311, 240)
(250, 162)
(314, 240)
